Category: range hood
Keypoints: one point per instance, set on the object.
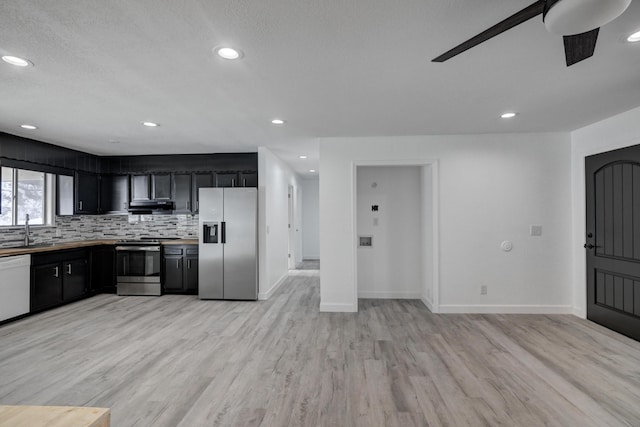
(151, 207)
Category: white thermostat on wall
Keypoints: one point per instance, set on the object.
(506, 246)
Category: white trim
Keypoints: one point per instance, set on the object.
(507, 309)
(338, 308)
(427, 303)
(435, 207)
(389, 295)
(263, 296)
(580, 312)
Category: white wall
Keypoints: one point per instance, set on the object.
(391, 268)
(274, 178)
(619, 131)
(310, 218)
(491, 188)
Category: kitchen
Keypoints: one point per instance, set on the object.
(121, 224)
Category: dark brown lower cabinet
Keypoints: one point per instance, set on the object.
(103, 269)
(180, 269)
(57, 278)
(46, 286)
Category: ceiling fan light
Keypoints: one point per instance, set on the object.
(569, 17)
(633, 38)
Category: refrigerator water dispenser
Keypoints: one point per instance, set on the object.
(210, 231)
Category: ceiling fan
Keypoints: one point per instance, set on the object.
(578, 21)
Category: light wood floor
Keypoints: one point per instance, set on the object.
(176, 361)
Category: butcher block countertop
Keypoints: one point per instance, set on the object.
(181, 242)
(54, 416)
(78, 244)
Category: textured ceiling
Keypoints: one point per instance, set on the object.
(330, 68)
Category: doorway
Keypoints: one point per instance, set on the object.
(395, 227)
(612, 239)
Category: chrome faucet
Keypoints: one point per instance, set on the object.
(27, 237)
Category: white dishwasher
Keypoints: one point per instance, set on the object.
(15, 286)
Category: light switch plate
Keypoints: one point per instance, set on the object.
(535, 230)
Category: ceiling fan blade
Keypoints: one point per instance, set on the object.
(516, 19)
(580, 46)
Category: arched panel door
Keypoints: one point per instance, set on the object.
(613, 240)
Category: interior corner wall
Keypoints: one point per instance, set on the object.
(491, 188)
(274, 178)
(426, 234)
(391, 266)
(310, 219)
(615, 132)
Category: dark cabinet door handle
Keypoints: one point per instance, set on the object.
(589, 246)
(69, 269)
(56, 272)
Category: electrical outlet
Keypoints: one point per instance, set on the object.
(483, 289)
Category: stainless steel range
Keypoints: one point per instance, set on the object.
(138, 267)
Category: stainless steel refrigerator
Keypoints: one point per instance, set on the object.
(228, 238)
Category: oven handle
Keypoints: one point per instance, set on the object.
(138, 248)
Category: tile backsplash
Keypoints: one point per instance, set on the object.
(88, 227)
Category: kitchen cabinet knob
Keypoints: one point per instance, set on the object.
(69, 269)
(56, 272)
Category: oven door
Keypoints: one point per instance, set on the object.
(138, 263)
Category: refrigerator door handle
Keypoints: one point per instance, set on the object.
(223, 235)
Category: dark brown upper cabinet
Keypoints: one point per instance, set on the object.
(161, 186)
(200, 180)
(140, 187)
(181, 191)
(87, 189)
(114, 194)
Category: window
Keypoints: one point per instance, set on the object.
(26, 192)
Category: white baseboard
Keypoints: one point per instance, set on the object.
(389, 294)
(338, 308)
(507, 309)
(580, 312)
(262, 296)
(427, 303)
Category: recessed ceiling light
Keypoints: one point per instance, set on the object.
(150, 124)
(312, 170)
(228, 53)
(30, 127)
(303, 157)
(635, 37)
(277, 122)
(18, 62)
(509, 115)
